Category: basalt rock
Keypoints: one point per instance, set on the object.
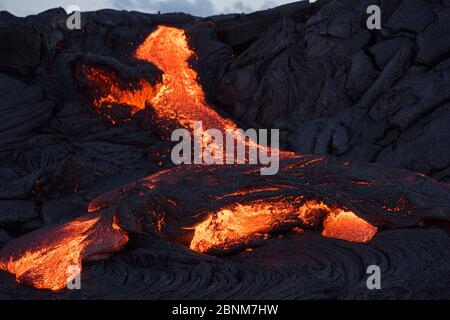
(310, 77)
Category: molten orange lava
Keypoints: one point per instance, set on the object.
(108, 91)
(180, 97)
(238, 225)
(348, 226)
(45, 258)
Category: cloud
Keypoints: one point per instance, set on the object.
(195, 7)
(269, 4)
(200, 8)
(239, 7)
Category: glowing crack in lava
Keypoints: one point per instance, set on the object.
(42, 258)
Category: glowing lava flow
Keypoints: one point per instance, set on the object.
(239, 225)
(47, 258)
(347, 226)
(42, 258)
(180, 97)
(108, 91)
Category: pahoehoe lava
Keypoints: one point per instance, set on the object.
(96, 188)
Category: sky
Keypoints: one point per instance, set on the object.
(195, 7)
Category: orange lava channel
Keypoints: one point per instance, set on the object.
(180, 96)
